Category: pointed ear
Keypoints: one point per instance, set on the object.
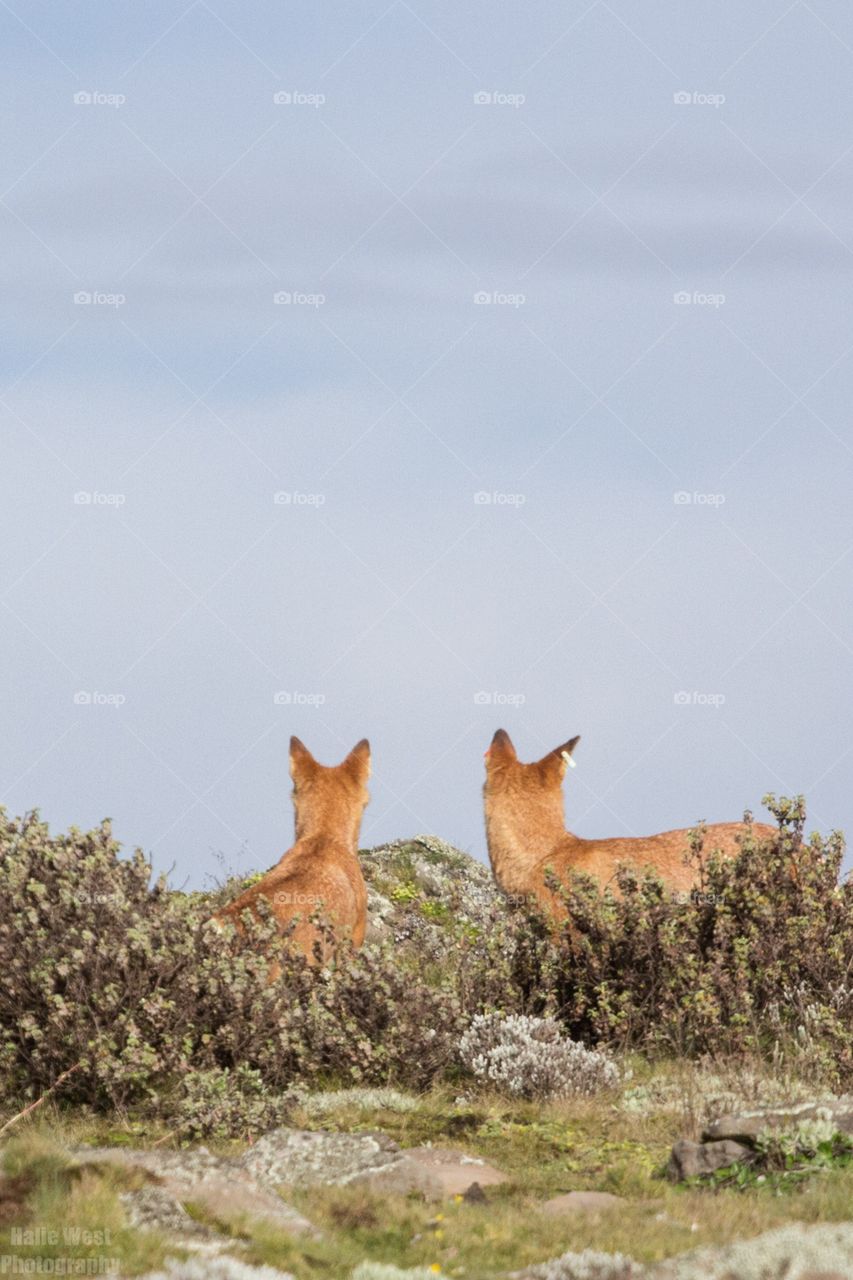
(301, 758)
(501, 751)
(562, 755)
(358, 760)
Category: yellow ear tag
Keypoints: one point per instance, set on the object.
(568, 759)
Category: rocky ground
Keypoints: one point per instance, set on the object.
(420, 888)
(369, 1185)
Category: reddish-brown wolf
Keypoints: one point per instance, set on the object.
(321, 871)
(527, 836)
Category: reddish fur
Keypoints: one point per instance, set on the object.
(526, 832)
(321, 870)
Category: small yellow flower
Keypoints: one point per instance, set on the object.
(457, 1199)
(439, 1217)
(436, 1267)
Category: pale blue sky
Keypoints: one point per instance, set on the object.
(701, 648)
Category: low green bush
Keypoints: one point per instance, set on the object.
(110, 975)
(125, 982)
(757, 958)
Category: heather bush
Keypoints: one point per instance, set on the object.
(531, 1058)
(115, 977)
(757, 958)
(123, 981)
(380, 1099)
(231, 1104)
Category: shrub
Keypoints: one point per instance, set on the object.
(757, 958)
(111, 973)
(123, 980)
(381, 1099)
(230, 1104)
(531, 1058)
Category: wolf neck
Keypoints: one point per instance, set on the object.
(520, 846)
(329, 824)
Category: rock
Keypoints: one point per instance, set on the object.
(453, 1173)
(227, 1198)
(155, 1209)
(582, 1202)
(181, 1166)
(745, 1128)
(793, 1252)
(589, 1265)
(302, 1158)
(747, 1125)
(246, 1185)
(731, 1138)
(380, 917)
(220, 1185)
(696, 1159)
(424, 890)
(215, 1269)
(401, 1178)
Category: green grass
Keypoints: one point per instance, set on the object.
(67, 1212)
(511, 1231)
(544, 1149)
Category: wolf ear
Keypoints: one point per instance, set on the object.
(562, 755)
(501, 751)
(301, 758)
(358, 760)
